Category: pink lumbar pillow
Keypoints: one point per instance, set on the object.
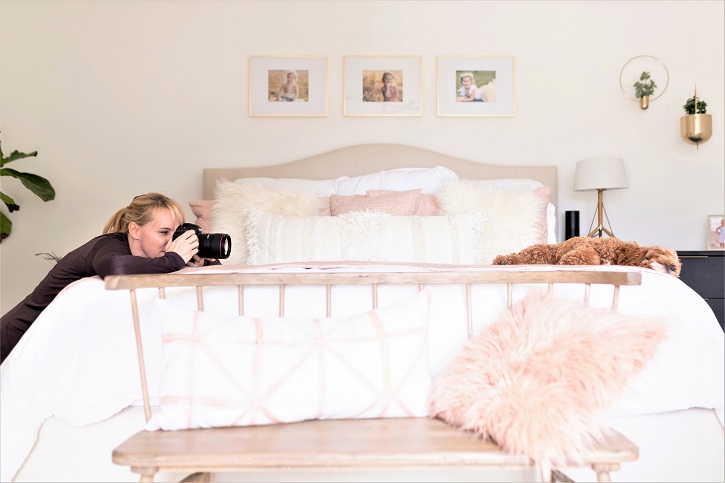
(398, 203)
(427, 203)
(538, 379)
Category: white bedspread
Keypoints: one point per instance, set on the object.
(78, 359)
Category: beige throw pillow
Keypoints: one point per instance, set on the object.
(232, 201)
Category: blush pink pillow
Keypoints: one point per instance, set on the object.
(537, 380)
(203, 210)
(398, 203)
(427, 203)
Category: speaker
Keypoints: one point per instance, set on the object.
(571, 225)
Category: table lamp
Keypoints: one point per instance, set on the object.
(600, 174)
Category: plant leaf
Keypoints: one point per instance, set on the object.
(37, 184)
(6, 226)
(15, 155)
(9, 202)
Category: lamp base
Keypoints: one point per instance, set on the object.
(600, 213)
(598, 232)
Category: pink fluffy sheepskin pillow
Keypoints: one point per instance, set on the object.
(537, 381)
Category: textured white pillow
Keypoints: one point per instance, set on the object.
(515, 217)
(232, 201)
(364, 236)
(243, 371)
(428, 180)
(318, 187)
(531, 184)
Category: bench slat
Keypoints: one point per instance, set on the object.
(339, 443)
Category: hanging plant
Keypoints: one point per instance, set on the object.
(645, 86)
(689, 106)
(37, 184)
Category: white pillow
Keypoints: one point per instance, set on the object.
(243, 371)
(232, 200)
(318, 187)
(515, 217)
(428, 180)
(364, 236)
(532, 184)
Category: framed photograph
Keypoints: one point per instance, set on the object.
(287, 86)
(475, 86)
(716, 232)
(382, 86)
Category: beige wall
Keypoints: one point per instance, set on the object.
(125, 97)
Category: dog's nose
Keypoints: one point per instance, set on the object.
(672, 268)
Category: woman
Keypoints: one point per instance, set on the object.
(136, 239)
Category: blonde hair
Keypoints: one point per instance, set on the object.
(142, 210)
(467, 74)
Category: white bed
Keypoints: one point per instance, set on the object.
(82, 403)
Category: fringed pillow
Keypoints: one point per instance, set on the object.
(538, 380)
(516, 216)
(232, 201)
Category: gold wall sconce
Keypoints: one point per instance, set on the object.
(696, 125)
(643, 75)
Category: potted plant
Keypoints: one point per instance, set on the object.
(37, 184)
(696, 124)
(644, 88)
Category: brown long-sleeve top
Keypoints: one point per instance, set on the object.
(107, 254)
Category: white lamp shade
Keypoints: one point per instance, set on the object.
(600, 173)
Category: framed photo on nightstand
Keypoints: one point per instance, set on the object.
(716, 232)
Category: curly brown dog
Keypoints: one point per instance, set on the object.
(596, 251)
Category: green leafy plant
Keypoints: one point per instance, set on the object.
(37, 184)
(645, 86)
(689, 106)
(48, 256)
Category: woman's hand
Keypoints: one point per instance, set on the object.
(186, 245)
(197, 261)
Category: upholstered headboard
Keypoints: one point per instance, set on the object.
(369, 158)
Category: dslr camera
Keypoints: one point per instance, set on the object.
(211, 245)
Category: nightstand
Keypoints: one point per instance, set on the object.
(704, 272)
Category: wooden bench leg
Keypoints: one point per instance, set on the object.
(557, 475)
(603, 469)
(197, 478)
(147, 474)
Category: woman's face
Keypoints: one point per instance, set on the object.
(150, 240)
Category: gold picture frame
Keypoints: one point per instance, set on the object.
(288, 86)
(490, 88)
(382, 86)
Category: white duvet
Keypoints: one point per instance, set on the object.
(78, 360)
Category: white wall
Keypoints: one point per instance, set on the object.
(126, 97)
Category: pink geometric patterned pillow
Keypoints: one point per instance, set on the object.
(537, 380)
(241, 371)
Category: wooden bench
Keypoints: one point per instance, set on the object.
(405, 443)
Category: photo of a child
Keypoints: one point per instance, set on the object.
(288, 85)
(476, 86)
(382, 86)
(716, 239)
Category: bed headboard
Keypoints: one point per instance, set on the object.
(369, 158)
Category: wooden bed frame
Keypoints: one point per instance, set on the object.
(406, 443)
(370, 158)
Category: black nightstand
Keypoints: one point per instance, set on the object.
(704, 272)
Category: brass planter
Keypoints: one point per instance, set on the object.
(696, 128)
(644, 102)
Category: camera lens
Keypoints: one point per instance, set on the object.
(215, 245)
